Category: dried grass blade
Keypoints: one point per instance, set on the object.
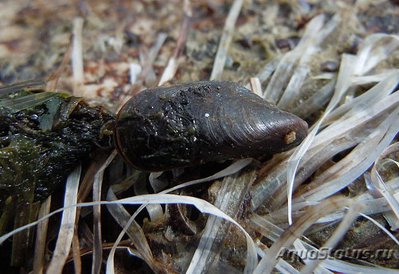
(284, 267)
(67, 227)
(272, 232)
(371, 52)
(338, 234)
(77, 260)
(358, 154)
(311, 162)
(225, 40)
(346, 133)
(343, 83)
(289, 61)
(268, 262)
(266, 188)
(52, 79)
(281, 266)
(316, 101)
(256, 86)
(134, 72)
(265, 227)
(155, 212)
(374, 78)
(41, 235)
(23, 241)
(201, 205)
(230, 170)
(361, 166)
(386, 231)
(336, 265)
(267, 71)
(229, 199)
(233, 168)
(171, 67)
(29, 85)
(339, 266)
(356, 118)
(380, 90)
(292, 92)
(147, 60)
(134, 231)
(379, 183)
(97, 238)
(27, 101)
(77, 55)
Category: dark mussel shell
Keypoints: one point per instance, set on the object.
(190, 124)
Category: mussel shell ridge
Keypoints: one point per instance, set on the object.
(170, 127)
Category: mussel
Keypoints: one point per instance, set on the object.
(44, 135)
(191, 124)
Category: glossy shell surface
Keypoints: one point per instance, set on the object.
(190, 124)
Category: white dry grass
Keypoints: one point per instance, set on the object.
(67, 227)
(225, 40)
(378, 107)
(77, 56)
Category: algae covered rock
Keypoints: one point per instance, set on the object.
(43, 136)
